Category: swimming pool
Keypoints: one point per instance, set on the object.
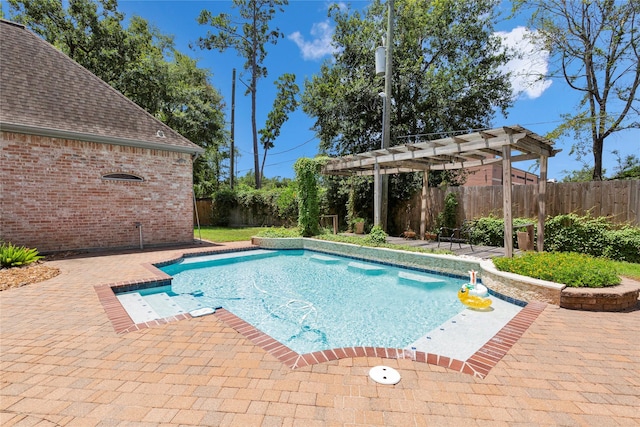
(310, 301)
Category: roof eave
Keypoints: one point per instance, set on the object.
(101, 139)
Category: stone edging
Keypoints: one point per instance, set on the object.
(614, 298)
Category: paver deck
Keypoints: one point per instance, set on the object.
(62, 363)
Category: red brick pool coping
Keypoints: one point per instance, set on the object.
(478, 365)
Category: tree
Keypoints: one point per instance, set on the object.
(142, 64)
(249, 41)
(286, 102)
(597, 47)
(580, 175)
(447, 77)
(628, 167)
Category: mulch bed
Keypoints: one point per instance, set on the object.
(20, 276)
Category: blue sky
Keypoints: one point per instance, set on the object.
(307, 32)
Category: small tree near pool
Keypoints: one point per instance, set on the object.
(307, 172)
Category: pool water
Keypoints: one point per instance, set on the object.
(311, 301)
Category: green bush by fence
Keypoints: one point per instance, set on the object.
(597, 237)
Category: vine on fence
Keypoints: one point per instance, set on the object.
(307, 171)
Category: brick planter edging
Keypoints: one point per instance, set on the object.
(615, 298)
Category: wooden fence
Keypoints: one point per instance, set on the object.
(618, 200)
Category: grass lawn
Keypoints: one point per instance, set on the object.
(627, 269)
(226, 234)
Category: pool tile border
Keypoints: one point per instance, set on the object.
(478, 365)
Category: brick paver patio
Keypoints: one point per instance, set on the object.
(62, 363)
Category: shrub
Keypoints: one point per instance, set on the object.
(376, 236)
(489, 231)
(573, 233)
(222, 203)
(447, 218)
(571, 269)
(623, 244)
(14, 256)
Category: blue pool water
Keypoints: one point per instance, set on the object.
(311, 301)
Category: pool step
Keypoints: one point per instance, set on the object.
(164, 305)
(418, 279)
(324, 259)
(366, 268)
(189, 302)
(137, 307)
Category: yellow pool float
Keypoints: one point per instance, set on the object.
(473, 301)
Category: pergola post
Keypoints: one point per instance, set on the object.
(377, 195)
(542, 201)
(423, 203)
(506, 200)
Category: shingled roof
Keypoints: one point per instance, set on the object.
(44, 92)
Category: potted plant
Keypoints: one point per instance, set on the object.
(431, 235)
(358, 225)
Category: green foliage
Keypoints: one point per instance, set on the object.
(595, 44)
(488, 231)
(581, 175)
(248, 34)
(447, 218)
(571, 269)
(286, 102)
(265, 205)
(627, 167)
(447, 75)
(572, 233)
(307, 171)
(223, 201)
(623, 244)
(279, 232)
(627, 269)
(376, 236)
(363, 241)
(14, 256)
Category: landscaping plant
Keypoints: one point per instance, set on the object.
(307, 171)
(14, 256)
(376, 236)
(569, 268)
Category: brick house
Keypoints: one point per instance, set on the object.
(492, 175)
(81, 166)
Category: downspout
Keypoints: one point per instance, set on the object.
(195, 206)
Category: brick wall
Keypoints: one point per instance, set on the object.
(492, 175)
(53, 196)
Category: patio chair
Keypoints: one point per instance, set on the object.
(456, 235)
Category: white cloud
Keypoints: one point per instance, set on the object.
(529, 66)
(319, 46)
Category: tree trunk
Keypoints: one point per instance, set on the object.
(598, 144)
(254, 84)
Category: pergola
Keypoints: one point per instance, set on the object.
(506, 144)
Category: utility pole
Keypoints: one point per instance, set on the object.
(233, 126)
(387, 110)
